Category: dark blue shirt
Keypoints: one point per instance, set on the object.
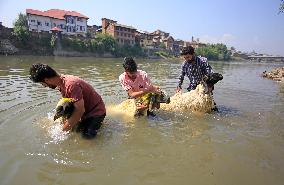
(195, 71)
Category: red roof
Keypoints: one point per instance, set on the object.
(55, 13)
(56, 29)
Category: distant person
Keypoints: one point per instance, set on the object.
(138, 86)
(197, 69)
(89, 111)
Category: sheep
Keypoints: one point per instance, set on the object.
(198, 100)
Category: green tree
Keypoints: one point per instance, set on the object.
(53, 41)
(107, 41)
(21, 30)
(163, 45)
(214, 52)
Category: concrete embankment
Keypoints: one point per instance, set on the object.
(7, 48)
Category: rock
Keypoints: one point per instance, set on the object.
(7, 48)
(276, 74)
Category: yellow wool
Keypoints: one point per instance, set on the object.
(62, 101)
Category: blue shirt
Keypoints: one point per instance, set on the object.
(195, 71)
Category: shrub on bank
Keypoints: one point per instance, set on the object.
(214, 52)
(102, 43)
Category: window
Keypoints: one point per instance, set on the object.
(70, 28)
(70, 20)
(38, 23)
(54, 25)
(46, 24)
(33, 21)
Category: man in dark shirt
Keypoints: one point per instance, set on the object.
(194, 67)
(197, 69)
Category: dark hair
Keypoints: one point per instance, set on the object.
(187, 50)
(129, 64)
(38, 72)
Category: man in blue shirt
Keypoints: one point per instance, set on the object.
(194, 67)
(197, 69)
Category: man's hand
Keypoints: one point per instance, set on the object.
(66, 126)
(157, 90)
(141, 107)
(178, 89)
(76, 116)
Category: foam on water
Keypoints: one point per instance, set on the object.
(54, 128)
(124, 111)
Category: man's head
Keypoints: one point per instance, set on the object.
(42, 73)
(130, 67)
(187, 53)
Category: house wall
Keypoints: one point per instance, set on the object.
(59, 24)
(41, 23)
(124, 35)
(81, 25)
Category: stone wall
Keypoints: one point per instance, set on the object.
(64, 53)
(5, 32)
(6, 47)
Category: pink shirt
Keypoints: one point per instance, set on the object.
(141, 82)
(76, 88)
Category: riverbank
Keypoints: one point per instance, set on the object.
(276, 74)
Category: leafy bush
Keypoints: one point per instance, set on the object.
(214, 52)
(21, 31)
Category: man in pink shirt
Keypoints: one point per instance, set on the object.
(137, 84)
(89, 111)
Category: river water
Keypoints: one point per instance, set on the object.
(241, 144)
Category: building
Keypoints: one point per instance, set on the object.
(144, 39)
(164, 38)
(177, 46)
(161, 34)
(169, 42)
(124, 35)
(69, 22)
(93, 30)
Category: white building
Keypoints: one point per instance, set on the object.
(69, 22)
